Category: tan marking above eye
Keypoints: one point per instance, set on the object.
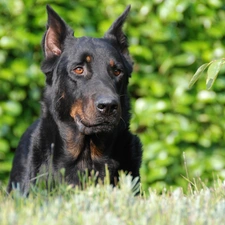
(111, 63)
(88, 58)
(79, 70)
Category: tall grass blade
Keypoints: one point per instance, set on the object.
(198, 73)
(212, 72)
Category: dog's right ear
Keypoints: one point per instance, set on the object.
(56, 33)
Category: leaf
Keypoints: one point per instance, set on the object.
(198, 73)
(212, 72)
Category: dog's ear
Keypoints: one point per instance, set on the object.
(56, 33)
(116, 33)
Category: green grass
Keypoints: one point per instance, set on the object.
(104, 204)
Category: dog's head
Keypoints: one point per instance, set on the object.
(87, 77)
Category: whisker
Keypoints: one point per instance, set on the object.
(60, 98)
(123, 122)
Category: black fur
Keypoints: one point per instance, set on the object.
(85, 117)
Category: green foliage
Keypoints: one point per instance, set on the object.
(212, 72)
(104, 204)
(168, 41)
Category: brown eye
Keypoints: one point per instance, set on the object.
(117, 72)
(78, 70)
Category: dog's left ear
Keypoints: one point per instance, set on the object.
(56, 33)
(116, 33)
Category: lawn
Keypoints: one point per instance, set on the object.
(104, 204)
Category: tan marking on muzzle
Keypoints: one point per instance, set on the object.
(90, 110)
(76, 109)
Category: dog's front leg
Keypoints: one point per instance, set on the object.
(22, 173)
(27, 160)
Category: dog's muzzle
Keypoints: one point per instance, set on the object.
(100, 116)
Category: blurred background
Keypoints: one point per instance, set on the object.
(182, 129)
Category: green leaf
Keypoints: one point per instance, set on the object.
(213, 71)
(198, 73)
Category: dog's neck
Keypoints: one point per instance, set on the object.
(75, 143)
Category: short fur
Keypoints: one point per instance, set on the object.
(85, 117)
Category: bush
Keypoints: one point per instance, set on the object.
(169, 40)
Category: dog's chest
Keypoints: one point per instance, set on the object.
(83, 168)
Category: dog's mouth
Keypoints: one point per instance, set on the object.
(91, 128)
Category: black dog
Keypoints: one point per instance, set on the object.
(85, 109)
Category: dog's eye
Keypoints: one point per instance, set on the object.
(117, 72)
(79, 70)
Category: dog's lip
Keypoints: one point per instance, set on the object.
(79, 122)
(88, 128)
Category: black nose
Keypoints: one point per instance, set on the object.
(107, 105)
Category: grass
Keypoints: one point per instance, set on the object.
(104, 204)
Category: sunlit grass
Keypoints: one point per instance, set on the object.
(104, 204)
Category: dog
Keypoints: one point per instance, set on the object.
(84, 122)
